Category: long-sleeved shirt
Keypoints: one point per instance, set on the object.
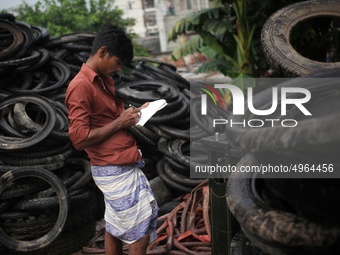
(92, 103)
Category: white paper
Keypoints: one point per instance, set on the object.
(150, 110)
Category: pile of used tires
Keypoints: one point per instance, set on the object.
(48, 202)
(295, 212)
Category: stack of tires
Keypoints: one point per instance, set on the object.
(294, 211)
(48, 202)
(165, 138)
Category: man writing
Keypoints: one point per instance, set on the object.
(98, 125)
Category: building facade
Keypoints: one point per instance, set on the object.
(155, 18)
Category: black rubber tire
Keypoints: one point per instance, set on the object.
(33, 224)
(8, 143)
(37, 79)
(73, 37)
(68, 242)
(180, 178)
(61, 71)
(176, 166)
(153, 60)
(178, 155)
(175, 132)
(18, 39)
(174, 75)
(13, 216)
(61, 157)
(205, 122)
(274, 226)
(158, 74)
(32, 59)
(5, 127)
(172, 106)
(240, 245)
(50, 178)
(40, 154)
(74, 176)
(170, 183)
(82, 58)
(148, 133)
(50, 167)
(196, 133)
(163, 146)
(140, 74)
(154, 128)
(169, 117)
(28, 39)
(21, 190)
(44, 57)
(276, 32)
(140, 137)
(86, 169)
(27, 125)
(40, 34)
(78, 47)
(43, 203)
(8, 16)
(147, 90)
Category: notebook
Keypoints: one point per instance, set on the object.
(150, 110)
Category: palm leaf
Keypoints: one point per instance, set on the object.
(215, 65)
(211, 41)
(189, 47)
(216, 27)
(194, 21)
(209, 52)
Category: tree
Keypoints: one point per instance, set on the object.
(229, 35)
(61, 17)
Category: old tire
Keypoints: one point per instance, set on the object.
(276, 32)
(26, 246)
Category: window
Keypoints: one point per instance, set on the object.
(189, 5)
(130, 5)
(185, 5)
(151, 23)
(149, 4)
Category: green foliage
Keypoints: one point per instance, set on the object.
(191, 47)
(196, 20)
(225, 30)
(231, 31)
(217, 63)
(61, 17)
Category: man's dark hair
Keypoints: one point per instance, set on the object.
(117, 42)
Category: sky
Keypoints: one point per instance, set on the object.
(6, 4)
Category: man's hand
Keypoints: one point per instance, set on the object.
(131, 115)
(97, 135)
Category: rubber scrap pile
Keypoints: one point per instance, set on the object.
(51, 204)
(186, 229)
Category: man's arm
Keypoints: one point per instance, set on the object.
(78, 101)
(98, 135)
